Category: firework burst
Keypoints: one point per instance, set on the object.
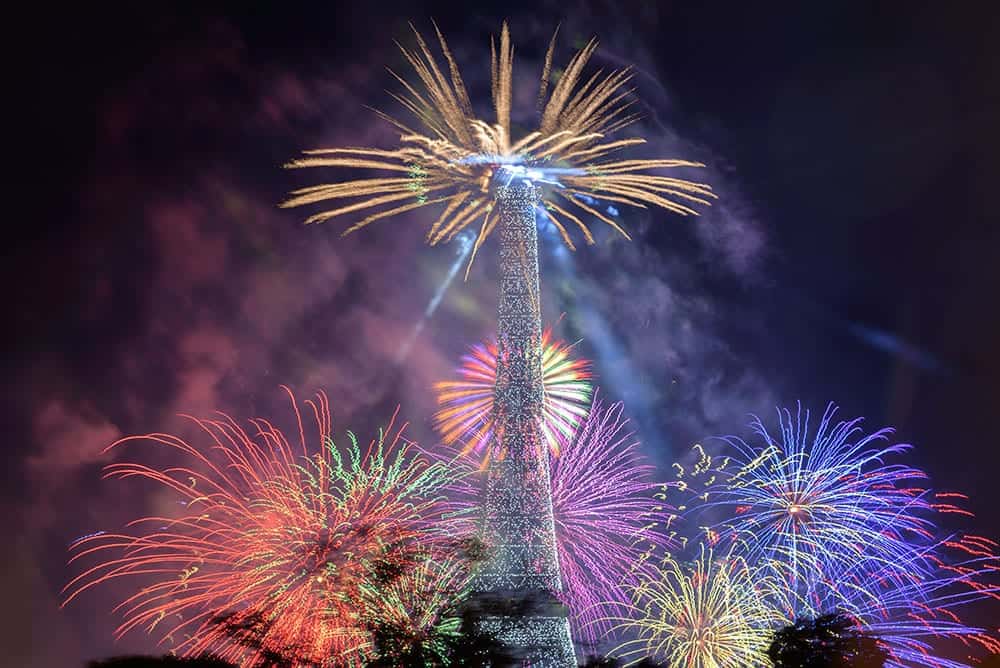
(910, 612)
(606, 517)
(708, 613)
(845, 529)
(823, 502)
(277, 542)
(453, 163)
(467, 416)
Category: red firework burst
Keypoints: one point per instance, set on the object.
(276, 543)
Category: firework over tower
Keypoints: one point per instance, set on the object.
(477, 175)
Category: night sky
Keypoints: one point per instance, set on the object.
(853, 256)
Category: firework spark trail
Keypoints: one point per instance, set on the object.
(606, 518)
(465, 247)
(710, 613)
(275, 537)
(466, 406)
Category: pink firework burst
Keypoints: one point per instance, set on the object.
(608, 518)
(466, 413)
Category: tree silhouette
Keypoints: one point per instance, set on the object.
(829, 641)
(253, 630)
(398, 645)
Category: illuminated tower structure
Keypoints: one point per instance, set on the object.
(523, 567)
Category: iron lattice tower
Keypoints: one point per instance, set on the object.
(523, 569)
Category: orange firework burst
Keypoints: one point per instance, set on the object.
(277, 543)
(456, 159)
(466, 413)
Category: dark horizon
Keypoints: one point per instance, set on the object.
(851, 257)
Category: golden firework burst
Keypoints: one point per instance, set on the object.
(454, 161)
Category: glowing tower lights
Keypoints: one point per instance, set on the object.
(517, 507)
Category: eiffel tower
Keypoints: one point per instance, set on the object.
(521, 576)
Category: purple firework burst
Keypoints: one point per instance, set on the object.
(847, 526)
(608, 517)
